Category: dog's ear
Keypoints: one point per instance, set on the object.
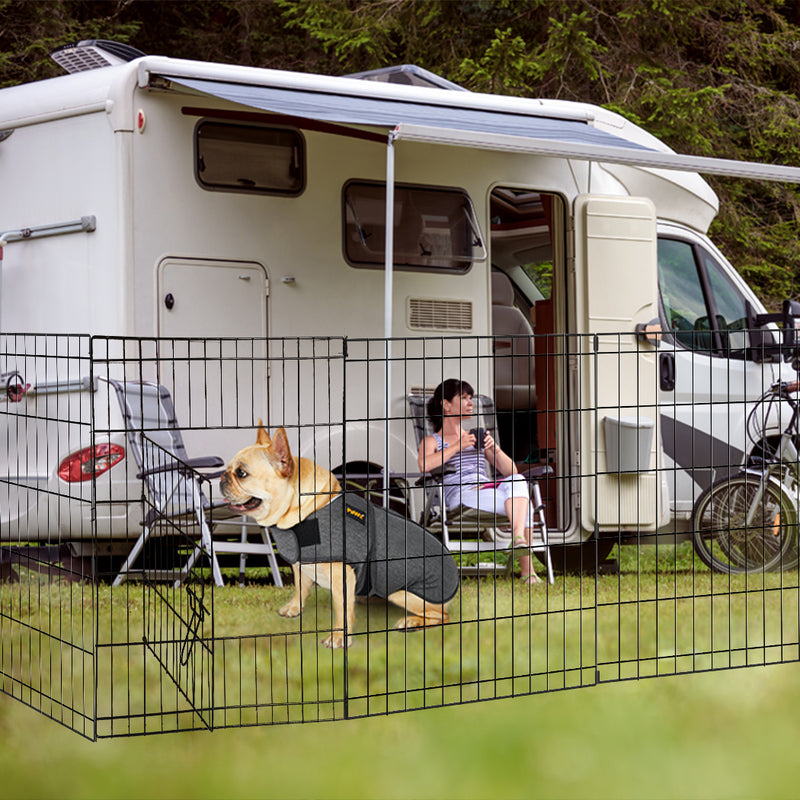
(280, 446)
(263, 437)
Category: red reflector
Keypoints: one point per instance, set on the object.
(90, 462)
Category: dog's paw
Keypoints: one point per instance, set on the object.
(337, 641)
(412, 622)
(291, 609)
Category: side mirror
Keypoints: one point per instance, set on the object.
(791, 313)
(791, 307)
(791, 343)
(763, 346)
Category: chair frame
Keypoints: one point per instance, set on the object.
(187, 477)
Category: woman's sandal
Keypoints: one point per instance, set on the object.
(520, 541)
(531, 578)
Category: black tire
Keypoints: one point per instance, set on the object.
(578, 558)
(726, 543)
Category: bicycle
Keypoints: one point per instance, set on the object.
(747, 522)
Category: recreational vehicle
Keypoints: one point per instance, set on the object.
(195, 213)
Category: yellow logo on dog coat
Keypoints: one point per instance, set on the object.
(356, 514)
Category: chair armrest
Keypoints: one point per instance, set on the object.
(434, 475)
(207, 462)
(537, 471)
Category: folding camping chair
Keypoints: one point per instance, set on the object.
(478, 531)
(173, 487)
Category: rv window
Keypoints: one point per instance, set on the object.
(249, 158)
(434, 228)
(703, 308)
(729, 308)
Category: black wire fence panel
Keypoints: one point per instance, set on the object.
(48, 600)
(652, 528)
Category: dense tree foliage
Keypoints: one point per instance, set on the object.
(720, 77)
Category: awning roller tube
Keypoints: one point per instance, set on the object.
(598, 153)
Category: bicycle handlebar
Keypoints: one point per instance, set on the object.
(784, 387)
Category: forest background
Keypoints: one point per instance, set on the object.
(718, 78)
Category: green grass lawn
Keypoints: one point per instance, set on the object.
(729, 735)
(717, 734)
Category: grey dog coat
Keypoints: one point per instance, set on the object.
(388, 552)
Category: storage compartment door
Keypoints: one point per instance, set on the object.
(214, 315)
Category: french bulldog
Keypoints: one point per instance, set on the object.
(340, 542)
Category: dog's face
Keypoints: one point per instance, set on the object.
(265, 481)
(257, 480)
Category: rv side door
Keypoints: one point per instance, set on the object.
(617, 288)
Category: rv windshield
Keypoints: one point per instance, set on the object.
(435, 228)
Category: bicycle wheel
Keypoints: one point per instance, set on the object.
(726, 542)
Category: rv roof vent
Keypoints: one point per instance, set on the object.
(439, 315)
(93, 54)
(408, 74)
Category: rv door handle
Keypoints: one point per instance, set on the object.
(666, 369)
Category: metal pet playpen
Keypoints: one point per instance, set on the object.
(134, 601)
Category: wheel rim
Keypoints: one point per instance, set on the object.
(728, 543)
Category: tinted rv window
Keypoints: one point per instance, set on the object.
(729, 307)
(434, 228)
(249, 158)
(703, 308)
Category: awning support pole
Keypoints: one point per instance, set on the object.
(388, 286)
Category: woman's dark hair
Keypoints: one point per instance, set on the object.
(446, 390)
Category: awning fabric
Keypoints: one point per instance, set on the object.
(478, 128)
(380, 112)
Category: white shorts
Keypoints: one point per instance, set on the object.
(492, 497)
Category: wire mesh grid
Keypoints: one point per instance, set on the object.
(137, 598)
(48, 601)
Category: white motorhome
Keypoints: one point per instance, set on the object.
(179, 200)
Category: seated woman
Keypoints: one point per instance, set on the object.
(469, 484)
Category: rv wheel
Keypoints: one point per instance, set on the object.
(580, 557)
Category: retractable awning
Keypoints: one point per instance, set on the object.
(478, 128)
(387, 113)
(602, 153)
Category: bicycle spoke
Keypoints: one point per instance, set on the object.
(725, 540)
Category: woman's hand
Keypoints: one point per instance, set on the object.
(467, 440)
(496, 457)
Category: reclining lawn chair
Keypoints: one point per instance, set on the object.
(478, 531)
(173, 489)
